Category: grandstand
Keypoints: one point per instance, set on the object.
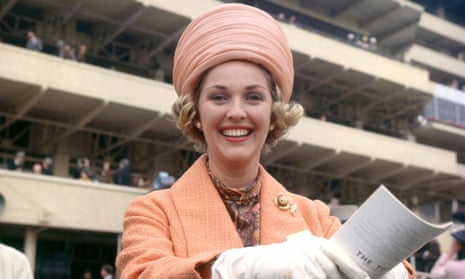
(391, 113)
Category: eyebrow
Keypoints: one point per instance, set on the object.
(248, 87)
(216, 86)
(253, 86)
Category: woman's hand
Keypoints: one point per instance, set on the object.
(302, 256)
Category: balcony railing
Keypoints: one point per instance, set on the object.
(447, 106)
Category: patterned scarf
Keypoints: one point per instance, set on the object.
(243, 207)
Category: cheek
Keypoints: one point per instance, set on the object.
(209, 114)
(263, 118)
(202, 112)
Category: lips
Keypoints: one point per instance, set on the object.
(235, 132)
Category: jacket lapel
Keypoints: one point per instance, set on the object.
(203, 216)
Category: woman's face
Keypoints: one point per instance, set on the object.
(235, 109)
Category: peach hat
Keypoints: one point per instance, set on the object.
(232, 32)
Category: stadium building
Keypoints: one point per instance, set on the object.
(382, 83)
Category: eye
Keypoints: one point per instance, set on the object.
(218, 97)
(254, 97)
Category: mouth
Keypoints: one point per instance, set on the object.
(236, 133)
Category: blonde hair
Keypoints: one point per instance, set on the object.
(283, 115)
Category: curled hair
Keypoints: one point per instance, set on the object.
(186, 115)
(283, 116)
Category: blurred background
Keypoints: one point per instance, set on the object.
(86, 126)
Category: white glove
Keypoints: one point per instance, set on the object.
(302, 256)
(397, 272)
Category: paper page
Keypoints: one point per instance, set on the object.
(383, 232)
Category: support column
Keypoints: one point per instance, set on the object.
(61, 165)
(118, 248)
(30, 246)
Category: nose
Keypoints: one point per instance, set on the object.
(236, 111)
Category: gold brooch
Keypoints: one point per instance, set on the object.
(283, 202)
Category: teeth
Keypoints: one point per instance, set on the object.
(235, 132)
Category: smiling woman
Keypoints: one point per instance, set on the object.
(235, 115)
(226, 216)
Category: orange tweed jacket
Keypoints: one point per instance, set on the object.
(178, 233)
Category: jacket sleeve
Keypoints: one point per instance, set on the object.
(147, 245)
(316, 215)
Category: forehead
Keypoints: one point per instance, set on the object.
(237, 71)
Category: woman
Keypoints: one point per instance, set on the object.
(226, 217)
(448, 266)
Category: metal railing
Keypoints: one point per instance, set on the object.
(447, 105)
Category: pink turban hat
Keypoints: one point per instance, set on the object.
(232, 32)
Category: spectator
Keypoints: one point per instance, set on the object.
(68, 52)
(47, 166)
(84, 166)
(448, 266)
(123, 174)
(461, 55)
(364, 42)
(427, 255)
(106, 176)
(138, 180)
(13, 264)
(65, 50)
(372, 43)
(18, 163)
(33, 42)
(351, 38)
(84, 176)
(454, 84)
(292, 19)
(107, 271)
(60, 44)
(87, 274)
(37, 168)
(163, 181)
(82, 52)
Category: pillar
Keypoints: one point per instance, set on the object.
(30, 246)
(61, 165)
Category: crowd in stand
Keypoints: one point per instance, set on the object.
(65, 49)
(78, 52)
(122, 175)
(363, 41)
(19, 164)
(455, 83)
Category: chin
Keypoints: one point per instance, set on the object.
(240, 156)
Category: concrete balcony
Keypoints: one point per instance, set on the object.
(438, 33)
(136, 109)
(53, 202)
(440, 65)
